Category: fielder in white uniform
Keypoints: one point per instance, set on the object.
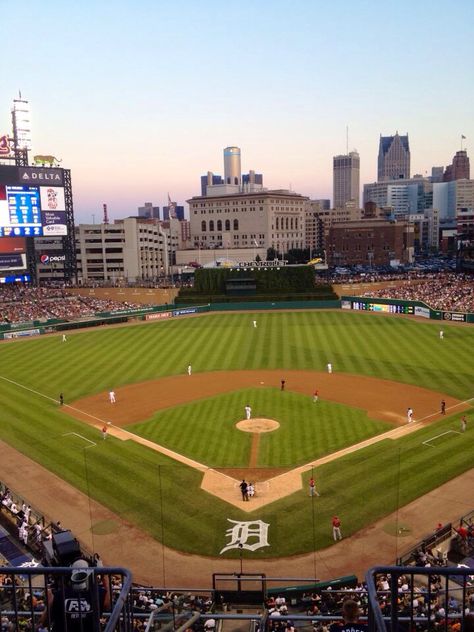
(190, 369)
(112, 397)
(329, 367)
(248, 411)
(410, 415)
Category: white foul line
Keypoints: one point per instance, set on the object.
(427, 442)
(68, 434)
(466, 401)
(51, 399)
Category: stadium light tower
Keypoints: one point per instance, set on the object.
(21, 120)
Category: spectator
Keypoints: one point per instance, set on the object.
(350, 614)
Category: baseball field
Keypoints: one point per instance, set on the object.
(175, 450)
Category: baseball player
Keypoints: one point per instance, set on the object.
(336, 529)
(190, 369)
(329, 367)
(410, 415)
(64, 338)
(112, 397)
(255, 324)
(248, 411)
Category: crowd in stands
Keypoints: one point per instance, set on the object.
(375, 276)
(449, 292)
(20, 303)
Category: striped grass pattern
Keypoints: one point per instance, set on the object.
(144, 486)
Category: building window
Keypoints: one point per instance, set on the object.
(227, 224)
(211, 226)
(236, 224)
(219, 225)
(203, 226)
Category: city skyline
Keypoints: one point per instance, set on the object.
(139, 102)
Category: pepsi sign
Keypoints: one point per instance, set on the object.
(49, 259)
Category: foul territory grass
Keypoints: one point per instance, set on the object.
(206, 430)
(165, 498)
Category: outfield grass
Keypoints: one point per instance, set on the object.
(164, 498)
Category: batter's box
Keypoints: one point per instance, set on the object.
(76, 440)
(429, 442)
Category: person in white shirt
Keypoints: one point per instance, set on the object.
(329, 367)
(190, 369)
(410, 415)
(112, 397)
(248, 412)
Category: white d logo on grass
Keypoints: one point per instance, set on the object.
(256, 531)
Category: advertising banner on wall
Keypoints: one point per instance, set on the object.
(9, 245)
(40, 176)
(54, 223)
(52, 199)
(158, 316)
(454, 316)
(12, 262)
(12, 253)
(424, 312)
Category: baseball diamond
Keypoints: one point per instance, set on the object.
(175, 454)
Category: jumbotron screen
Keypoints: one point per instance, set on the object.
(32, 202)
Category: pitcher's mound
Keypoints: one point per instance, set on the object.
(259, 424)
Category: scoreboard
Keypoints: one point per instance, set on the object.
(20, 212)
(32, 202)
(389, 308)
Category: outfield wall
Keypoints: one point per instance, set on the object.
(162, 312)
(398, 306)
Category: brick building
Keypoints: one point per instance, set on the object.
(370, 242)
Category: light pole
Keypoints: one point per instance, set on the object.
(241, 548)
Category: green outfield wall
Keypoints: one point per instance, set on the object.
(162, 312)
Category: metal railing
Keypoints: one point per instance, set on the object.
(65, 599)
(433, 598)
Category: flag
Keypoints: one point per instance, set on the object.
(462, 136)
(255, 242)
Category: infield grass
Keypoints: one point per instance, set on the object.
(206, 430)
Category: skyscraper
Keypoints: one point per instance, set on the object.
(232, 169)
(210, 179)
(394, 158)
(149, 211)
(178, 212)
(346, 179)
(459, 169)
